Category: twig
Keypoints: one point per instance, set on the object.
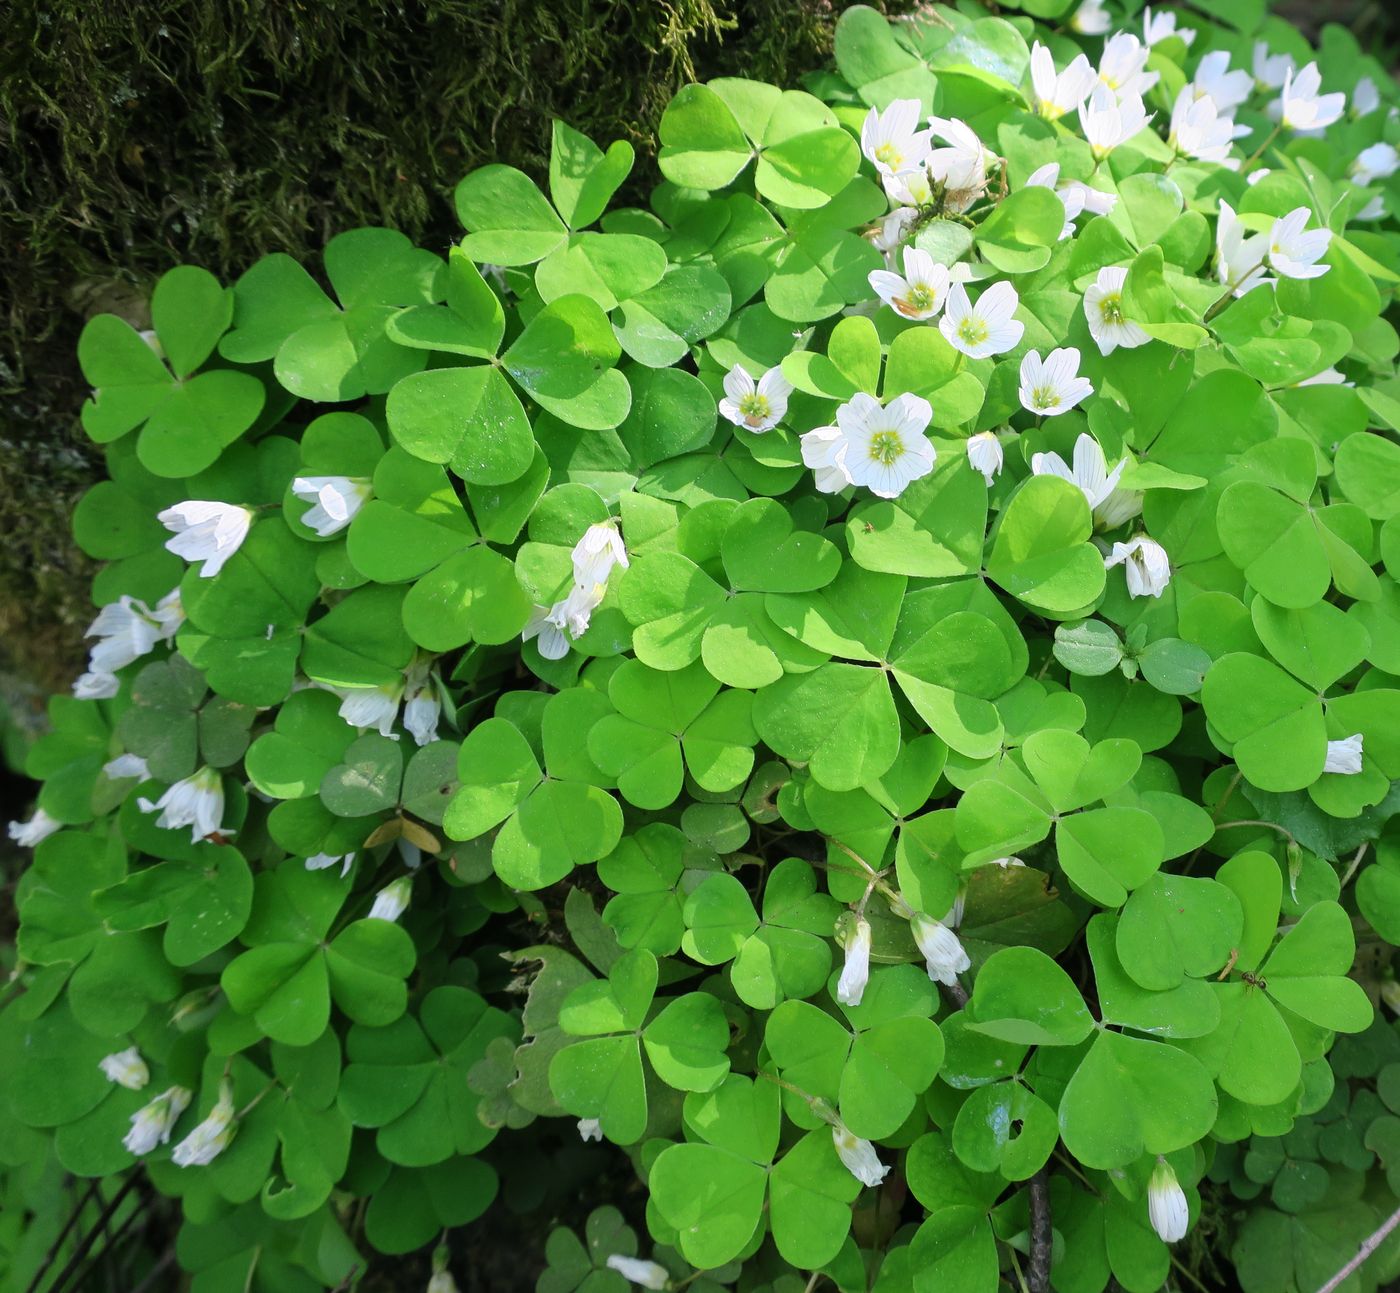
(1354, 863)
(156, 1271)
(1376, 1239)
(80, 1253)
(1042, 1234)
(956, 993)
(62, 1235)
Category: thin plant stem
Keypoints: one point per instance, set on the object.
(1371, 1243)
(1248, 164)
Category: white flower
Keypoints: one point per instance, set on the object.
(1199, 131)
(442, 1282)
(1047, 177)
(1214, 80)
(985, 455)
(986, 328)
(320, 861)
(196, 801)
(1157, 27)
(1365, 99)
(1378, 162)
(1053, 385)
(1005, 863)
(1123, 67)
(1271, 70)
(1303, 108)
(1239, 256)
(917, 294)
(755, 406)
(1344, 757)
(125, 1068)
(590, 1129)
(882, 448)
(1294, 250)
(422, 710)
(1111, 506)
(211, 1137)
(206, 531)
(942, 951)
(1056, 95)
(336, 500)
(152, 1123)
(953, 917)
(1094, 201)
(858, 1156)
(1327, 377)
(822, 449)
(911, 188)
(1090, 19)
(855, 972)
(169, 614)
(892, 139)
(961, 167)
(1166, 1204)
(575, 612)
(96, 686)
(1144, 563)
(595, 555)
(127, 629)
(392, 901)
(888, 236)
(376, 707)
(553, 645)
(649, 1275)
(39, 827)
(1373, 210)
(1103, 308)
(1108, 121)
(126, 767)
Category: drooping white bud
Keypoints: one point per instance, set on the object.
(206, 531)
(858, 1156)
(649, 1275)
(125, 1068)
(196, 801)
(152, 1123)
(1344, 756)
(39, 827)
(211, 1137)
(855, 973)
(392, 901)
(942, 951)
(1166, 1204)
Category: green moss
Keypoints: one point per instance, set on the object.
(143, 136)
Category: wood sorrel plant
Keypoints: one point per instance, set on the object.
(897, 645)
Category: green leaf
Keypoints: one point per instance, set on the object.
(1129, 1097)
(1174, 926)
(1021, 995)
(468, 418)
(702, 144)
(506, 216)
(1274, 724)
(1042, 554)
(582, 178)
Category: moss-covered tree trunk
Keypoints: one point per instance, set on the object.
(137, 137)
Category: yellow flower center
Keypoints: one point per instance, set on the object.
(973, 330)
(1111, 308)
(889, 154)
(919, 299)
(1045, 397)
(755, 408)
(886, 447)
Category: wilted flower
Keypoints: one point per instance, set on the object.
(986, 328)
(858, 1156)
(1344, 756)
(196, 801)
(125, 1068)
(392, 901)
(206, 531)
(892, 139)
(152, 1123)
(960, 166)
(211, 1137)
(1053, 385)
(755, 406)
(39, 827)
(649, 1275)
(1111, 506)
(1302, 107)
(1144, 563)
(984, 453)
(1166, 1204)
(888, 237)
(1103, 309)
(1294, 249)
(855, 972)
(336, 498)
(943, 953)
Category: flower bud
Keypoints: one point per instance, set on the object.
(1166, 1204)
(855, 974)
